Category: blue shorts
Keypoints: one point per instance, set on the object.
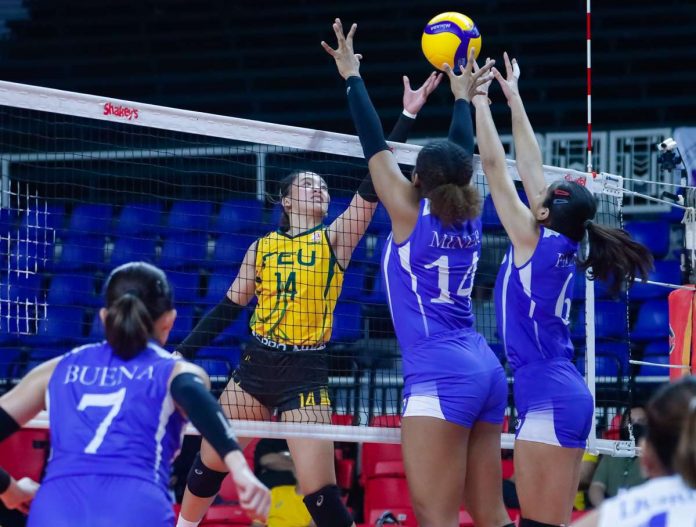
(100, 500)
(554, 405)
(456, 377)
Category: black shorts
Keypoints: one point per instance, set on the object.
(283, 380)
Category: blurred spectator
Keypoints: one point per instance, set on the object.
(614, 474)
(275, 469)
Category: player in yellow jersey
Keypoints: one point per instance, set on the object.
(296, 274)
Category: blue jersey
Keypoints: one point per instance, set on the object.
(113, 417)
(532, 302)
(429, 277)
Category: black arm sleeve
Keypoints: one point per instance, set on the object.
(8, 425)
(462, 128)
(365, 118)
(204, 412)
(209, 327)
(402, 128)
(399, 133)
(5, 481)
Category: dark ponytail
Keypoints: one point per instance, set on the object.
(128, 326)
(454, 203)
(137, 294)
(444, 171)
(686, 452)
(615, 257)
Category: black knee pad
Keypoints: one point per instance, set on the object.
(526, 522)
(327, 509)
(202, 481)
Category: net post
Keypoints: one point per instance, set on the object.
(590, 362)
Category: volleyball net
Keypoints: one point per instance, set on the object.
(88, 183)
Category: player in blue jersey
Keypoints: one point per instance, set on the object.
(117, 410)
(455, 390)
(533, 297)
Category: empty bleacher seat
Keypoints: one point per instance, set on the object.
(62, 325)
(667, 272)
(185, 286)
(353, 283)
(653, 234)
(381, 223)
(230, 250)
(347, 325)
(80, 253)
(73, 290)
(383, 494)
(240, 215)
(139, 219)
(44, 217)
(489, 216)
(218, 285)
(183, 324)
(133, 249)
(652, 321)
(90, 219)
(184, 250)
(611, 358)
(610, 319)
(189, 216)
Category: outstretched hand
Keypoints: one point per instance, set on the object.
(415, 99)
(347, 61)
(512, 74)
(472, 81)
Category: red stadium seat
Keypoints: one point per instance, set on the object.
(373, 453)
(24, 453)
(386, 421)
(226, 515)
(342, 419)
(386, 494)
(390, 469)
(344, 473)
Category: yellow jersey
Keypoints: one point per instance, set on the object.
(298, 280)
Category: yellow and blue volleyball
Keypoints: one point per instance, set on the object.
(448, 38)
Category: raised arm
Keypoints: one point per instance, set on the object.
(393, 189)
(222, 315)
(464, 87)
(347, 230)
(517, 219)
(527, 151)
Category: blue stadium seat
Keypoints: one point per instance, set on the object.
(61, 325)
(655, 370)
(182, 325)
(218, 285)
(73, 290)
(652, 322)
(611, 358)
(666, 271)
(184, 251)
(237, 331)
(8, 221)
(90, 219)
(240, 215)
(337, 206)
(230, 250)
(29, 252)
(577, 321)
(378, 295)
(139, 219)
(347, 325)
(45, 217)
(653, 234)
(80, 253)
(214, 364)
(96, 329)
(380, 224)
(38, 356)
(353, 283)
(185, 286)
(610, 319)
(489, 216)
(189, 216)
(132, 250)
(9, 362)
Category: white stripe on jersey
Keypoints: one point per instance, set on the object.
(506, 280)
(166, 412)
(385, 273)
(405, 259)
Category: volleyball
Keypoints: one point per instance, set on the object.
(448, 38)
